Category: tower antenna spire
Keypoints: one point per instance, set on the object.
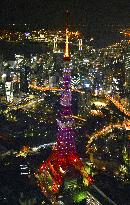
(66, 55)
(67, 18)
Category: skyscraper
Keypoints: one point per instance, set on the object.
(127, 69)
(24, 78)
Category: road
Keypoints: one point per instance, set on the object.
(125, 124)
(91, 200)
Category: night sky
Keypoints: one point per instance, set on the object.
(51, 13)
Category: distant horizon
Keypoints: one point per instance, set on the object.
(31, 26)
(52, 13)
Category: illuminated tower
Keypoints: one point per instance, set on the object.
(51, 172)
(65, 137)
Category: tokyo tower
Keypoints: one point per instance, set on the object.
(50, 174)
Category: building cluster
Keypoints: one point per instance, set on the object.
(94, 71)
(46, 94)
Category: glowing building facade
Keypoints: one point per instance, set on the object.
(127, 69)
(127, 77)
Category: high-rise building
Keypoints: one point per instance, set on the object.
(80, 44)
(84, 103)
(24, 72)
(127, 77)
(9, 91)
(127, 70)
(16, 84)
(2, 90)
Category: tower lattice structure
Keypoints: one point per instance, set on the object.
(50, 174)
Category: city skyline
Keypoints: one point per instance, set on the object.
(64, 102)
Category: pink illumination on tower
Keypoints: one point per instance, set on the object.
(51, 172)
